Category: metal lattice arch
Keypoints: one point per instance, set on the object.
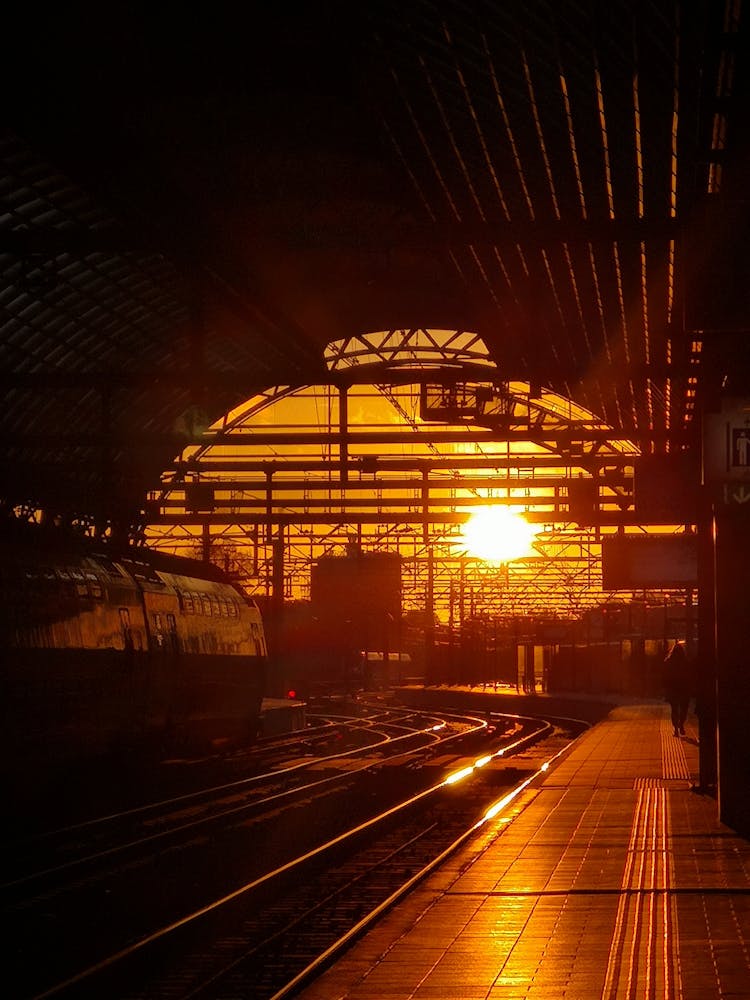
(413, 430)
(401, 348)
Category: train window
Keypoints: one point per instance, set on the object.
(215, 606)
(206, 604)
(112, 569)
(81, 589)
(95, 589)
(157, 621)
(142, 571)
(171, 623)
(187, 603)
(233, 609)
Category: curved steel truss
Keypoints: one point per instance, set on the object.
(394, 457)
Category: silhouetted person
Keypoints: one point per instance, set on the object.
(678, 688)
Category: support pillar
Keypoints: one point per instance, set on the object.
(726, 479)
(429, 606)
(344, 434)
(733, 668)
(277, 592)
(705, 694)
(269, 505)
(273, 623)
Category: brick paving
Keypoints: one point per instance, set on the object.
(612, 879)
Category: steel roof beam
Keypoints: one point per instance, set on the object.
(495, 231)
(452, 482)
(614, 519)
(492, 232)
(365, 467)
(555, 437)
(305, 505)
(247, 381)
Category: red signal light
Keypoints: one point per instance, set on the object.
(291, 694)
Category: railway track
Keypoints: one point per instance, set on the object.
(350, 745)
(355, 844)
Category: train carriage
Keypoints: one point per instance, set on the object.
(105, 650)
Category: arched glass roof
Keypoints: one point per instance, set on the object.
(394, 458)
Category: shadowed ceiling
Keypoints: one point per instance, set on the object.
(194, 203)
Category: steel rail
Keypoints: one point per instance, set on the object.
(191, 919)
(338, 946)
(235, 811)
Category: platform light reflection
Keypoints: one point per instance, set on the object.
(506, 800)
(498, 806)
(459, 775)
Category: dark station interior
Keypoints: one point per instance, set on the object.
(292, 291)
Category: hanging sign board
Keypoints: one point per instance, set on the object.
(726, 452)
(645, 562)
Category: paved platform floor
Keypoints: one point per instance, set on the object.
(612, 879)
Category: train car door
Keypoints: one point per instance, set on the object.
(127, 632)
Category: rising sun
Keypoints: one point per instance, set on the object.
(498, 534)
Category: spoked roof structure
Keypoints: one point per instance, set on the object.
(412, 431)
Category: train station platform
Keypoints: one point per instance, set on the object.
(611, 878)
